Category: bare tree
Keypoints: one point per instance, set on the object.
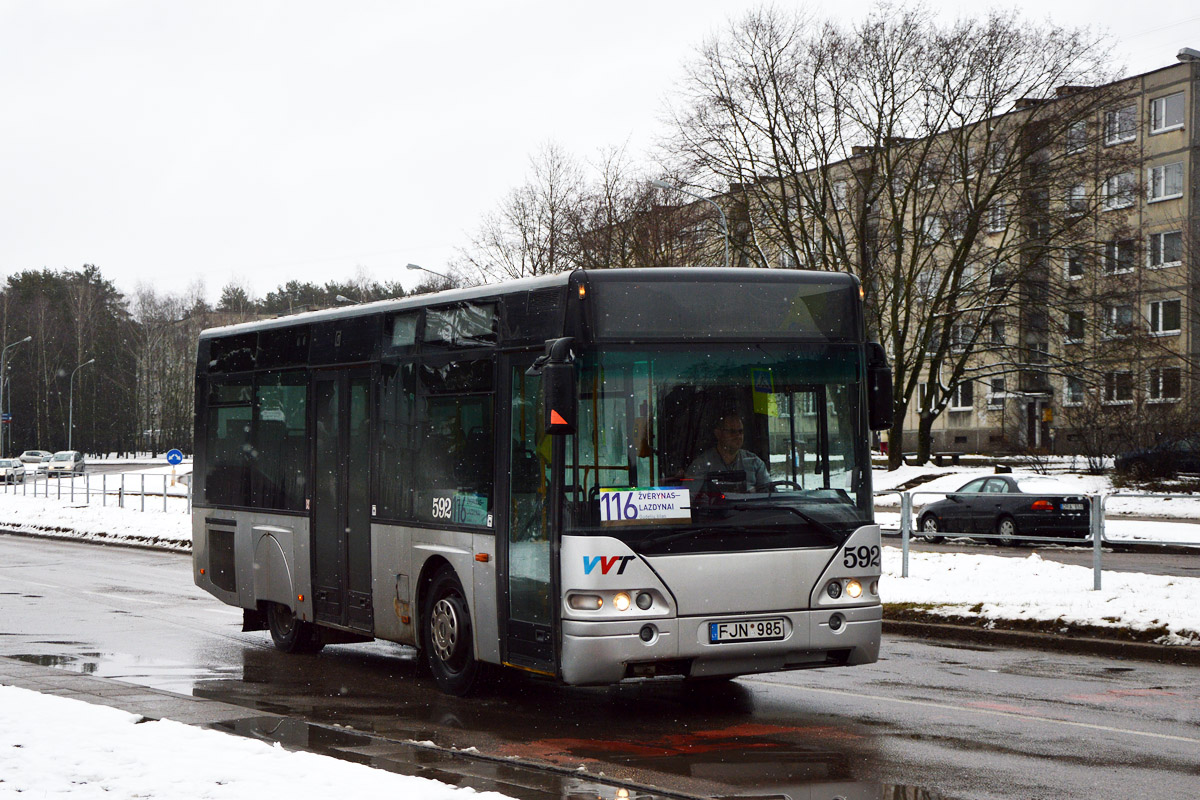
(529, 234)
(923, 157)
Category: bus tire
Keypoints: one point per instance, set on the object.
(446, 636)
(290, 634)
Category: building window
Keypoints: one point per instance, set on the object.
(1118, 387)
(1164, 317)
(1077, 199)
(963, 397)
(1074, 392)
(1166, 113)
(1118, 320)
(1165, 384)
(927, 174)
(1073, 263)
(931, 227)
(961, 335)
(1120, 191)
(1118, 256)
(997, 333)
(1120, 125)
(1164, 249)
(1075, 327)
(997, 217)
(1166, 182)
(997, 155)
(841, 190)
(996, 395)
(1076, 136)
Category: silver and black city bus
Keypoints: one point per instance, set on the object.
(515, 475)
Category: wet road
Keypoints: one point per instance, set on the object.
(939, 720)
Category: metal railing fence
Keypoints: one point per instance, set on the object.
(1095, 536)
(122, 490)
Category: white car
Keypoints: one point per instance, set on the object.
(66, 461)
(11, 470)
(35, 459)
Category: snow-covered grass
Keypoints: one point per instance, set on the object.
(1000, 591)
(54, 746)
(48, 516)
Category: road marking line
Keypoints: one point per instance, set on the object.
(952, 707)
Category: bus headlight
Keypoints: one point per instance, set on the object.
(585, 602)
(834, 589)
(854, 588)
(621, 601)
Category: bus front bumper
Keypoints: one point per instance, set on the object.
(608, 652)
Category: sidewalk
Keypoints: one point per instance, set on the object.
(447, 771)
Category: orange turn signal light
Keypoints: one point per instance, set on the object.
(482, 557)
(300, 597)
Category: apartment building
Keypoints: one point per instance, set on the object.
(1108, 321)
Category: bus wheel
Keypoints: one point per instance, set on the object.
(446, 639)
(292, 635)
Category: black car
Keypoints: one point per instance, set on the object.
(1164, 459)
(1008, 507)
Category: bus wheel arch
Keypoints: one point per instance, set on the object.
(447, 635)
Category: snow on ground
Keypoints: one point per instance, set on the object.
(48, 516)
(995, 588)
(54, 746)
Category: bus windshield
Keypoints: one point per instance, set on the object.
(733, 447)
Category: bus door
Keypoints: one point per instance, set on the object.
(531, 584)
(341, 511)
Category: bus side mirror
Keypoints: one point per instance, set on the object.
(559, 387)
(879, 388)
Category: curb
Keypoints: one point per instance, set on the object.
(1062, 643)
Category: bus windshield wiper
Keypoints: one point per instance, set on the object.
(823, 527)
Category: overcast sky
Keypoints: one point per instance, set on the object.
(170, 142)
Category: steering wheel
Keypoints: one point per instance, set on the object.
(773, 485)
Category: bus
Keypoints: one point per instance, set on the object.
(516, 475)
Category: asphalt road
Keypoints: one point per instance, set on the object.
(930, 720)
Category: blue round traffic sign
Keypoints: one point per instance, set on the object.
(174, 457)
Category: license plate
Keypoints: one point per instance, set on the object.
(1072, 506)
(745, 630)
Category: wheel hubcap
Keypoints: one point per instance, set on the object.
(931, 525)
(1006, 529)
(285, 620)
(445, 629)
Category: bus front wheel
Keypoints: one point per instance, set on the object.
(446, 636)
(291, 634)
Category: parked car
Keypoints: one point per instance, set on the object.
(12, 470)
(35, 458)
(1164, 459)
(66, 461)
(1009, 507)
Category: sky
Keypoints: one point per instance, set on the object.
(264, 141)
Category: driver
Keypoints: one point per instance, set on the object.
(728, 455)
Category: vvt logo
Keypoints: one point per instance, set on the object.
(606, 563)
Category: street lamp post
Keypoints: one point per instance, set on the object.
(423, 269)
(3, 358)
(71, 402)
(720, 211)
